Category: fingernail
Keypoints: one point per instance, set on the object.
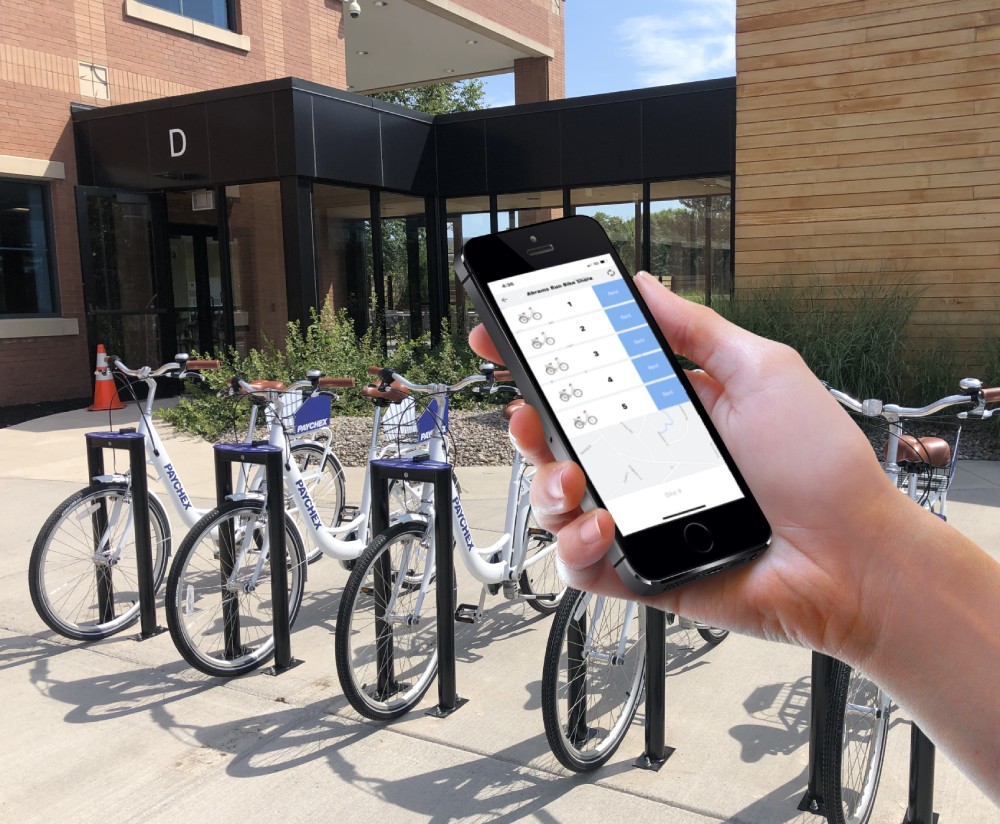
(590, 530)
(554, 487)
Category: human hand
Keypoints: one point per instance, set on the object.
(811, 470)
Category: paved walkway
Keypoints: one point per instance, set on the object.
(123, 731)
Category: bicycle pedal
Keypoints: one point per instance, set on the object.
(467, 613)
(347, 514)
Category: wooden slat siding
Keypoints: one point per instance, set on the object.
(868, 146)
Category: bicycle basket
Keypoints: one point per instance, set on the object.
(311, 414)
(402, 425)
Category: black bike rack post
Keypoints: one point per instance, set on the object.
(920, 806)
(439, 474)
(270, 457)
(135, 444)
(657, 752)
(822, 665)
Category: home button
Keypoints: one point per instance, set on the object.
(698, 537)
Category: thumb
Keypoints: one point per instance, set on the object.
(721, 348)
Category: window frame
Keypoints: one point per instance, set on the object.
(232, 16)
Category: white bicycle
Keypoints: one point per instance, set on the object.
(389, 602)
(88, 541)
(206, 604)
(858, 710)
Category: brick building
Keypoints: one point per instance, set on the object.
(101, 53)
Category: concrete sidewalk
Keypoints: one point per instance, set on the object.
(124, 731)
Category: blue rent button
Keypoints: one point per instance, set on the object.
(638, 341)
(652, 367)
(611, 293)
(625, 316)
(667, 393)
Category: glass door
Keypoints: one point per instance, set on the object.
(195, 270)
(124, 299)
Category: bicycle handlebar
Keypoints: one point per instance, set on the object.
(874, 408)
(184, 366)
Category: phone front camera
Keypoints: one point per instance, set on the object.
(533, 239)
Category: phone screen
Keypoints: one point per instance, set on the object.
(644, 447)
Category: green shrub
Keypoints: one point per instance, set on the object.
(330, 344)
(852, 336)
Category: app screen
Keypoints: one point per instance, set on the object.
(626, 415)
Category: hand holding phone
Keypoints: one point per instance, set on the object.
(572, 329)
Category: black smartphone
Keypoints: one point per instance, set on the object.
(586, 353)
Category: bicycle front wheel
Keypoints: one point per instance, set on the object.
(592, 677)
(857, 727)
(386, 639)
(218, 601)
(83, 575)
(324, 479)
(540, 581)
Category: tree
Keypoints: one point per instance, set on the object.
(439, 98)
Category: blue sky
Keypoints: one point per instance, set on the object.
(612, 45)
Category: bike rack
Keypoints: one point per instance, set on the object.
(135, 444)
(812, 801)
(270, 457)
(920, 806)
(439, 474)
(657, 752)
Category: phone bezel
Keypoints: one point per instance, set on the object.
(738, 527)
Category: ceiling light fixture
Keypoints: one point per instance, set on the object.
(449, 71)
(381, 3)
(472, 42)
(362, 52)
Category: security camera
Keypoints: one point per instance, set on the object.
(354, 8)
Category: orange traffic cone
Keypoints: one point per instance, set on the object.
(105, 394)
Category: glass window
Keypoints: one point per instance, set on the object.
(690, 240)
(619, 210)
(468, 217)
(342, 225)
(404, 266)
(528, 207)
(25, 258)
(216, 12)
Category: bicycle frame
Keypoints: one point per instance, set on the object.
(327, 538)
(158, 457)
(509, 550)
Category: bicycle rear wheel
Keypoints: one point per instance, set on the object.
(592, 677)
(325, 485)
(541, 580)
(712, 635)
(857, 726)
(83, 575)
(218, 600)
(386, 652)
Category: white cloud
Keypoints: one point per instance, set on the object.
(696, 41)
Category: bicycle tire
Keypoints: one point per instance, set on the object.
(196, 598)
(857, 727)
(378, 685)
(590, 694)
(326, 488)
(712, 635)
(62, 570)
(542, 578)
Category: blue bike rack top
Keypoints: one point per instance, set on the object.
(115, 439)
(409, 464)
(245, 452)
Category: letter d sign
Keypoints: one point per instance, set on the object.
(178, 142)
